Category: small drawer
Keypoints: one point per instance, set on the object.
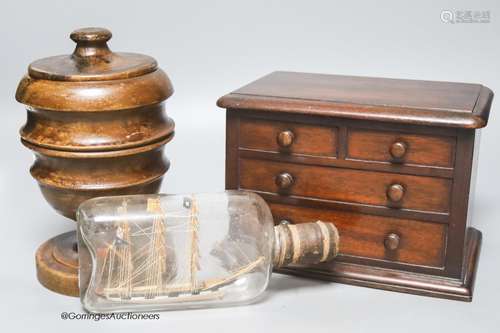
(376, 237)
(287, 137)
(400, 148)
(347, 185)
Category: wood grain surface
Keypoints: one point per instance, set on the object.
(307, 139)
(366, 187)
(420, 149)
(431, 103)
(364, 235)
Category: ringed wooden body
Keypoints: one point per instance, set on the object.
(97, 126)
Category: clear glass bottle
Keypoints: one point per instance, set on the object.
(164, 252)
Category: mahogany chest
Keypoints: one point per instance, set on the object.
(390, 162)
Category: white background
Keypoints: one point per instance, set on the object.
(209, 48)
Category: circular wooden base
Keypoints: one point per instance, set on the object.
(57, 264)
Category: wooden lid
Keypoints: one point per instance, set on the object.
(445, 104)
(93, 78)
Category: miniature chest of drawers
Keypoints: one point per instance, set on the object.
(390, 162)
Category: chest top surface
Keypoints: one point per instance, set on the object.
(433, 103)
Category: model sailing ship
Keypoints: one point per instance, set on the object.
(140, 262)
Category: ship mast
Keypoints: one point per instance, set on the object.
(119, 257)
(194, 262)
(156, 257)
(124, 254)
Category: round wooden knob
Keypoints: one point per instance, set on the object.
(284, 180)
(391, 241)
(395, 192)
(398, 149)
(91, 35)
(285, 138)
(91, 43)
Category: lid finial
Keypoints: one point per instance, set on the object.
(91, 43)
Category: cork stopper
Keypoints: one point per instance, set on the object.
(305, 244)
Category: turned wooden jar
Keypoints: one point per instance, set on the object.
(97, 126)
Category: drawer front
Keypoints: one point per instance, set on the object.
(376, 237)
(393, 147)
(347, 185)
(285, 137)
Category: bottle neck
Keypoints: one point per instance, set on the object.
(304, 244)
